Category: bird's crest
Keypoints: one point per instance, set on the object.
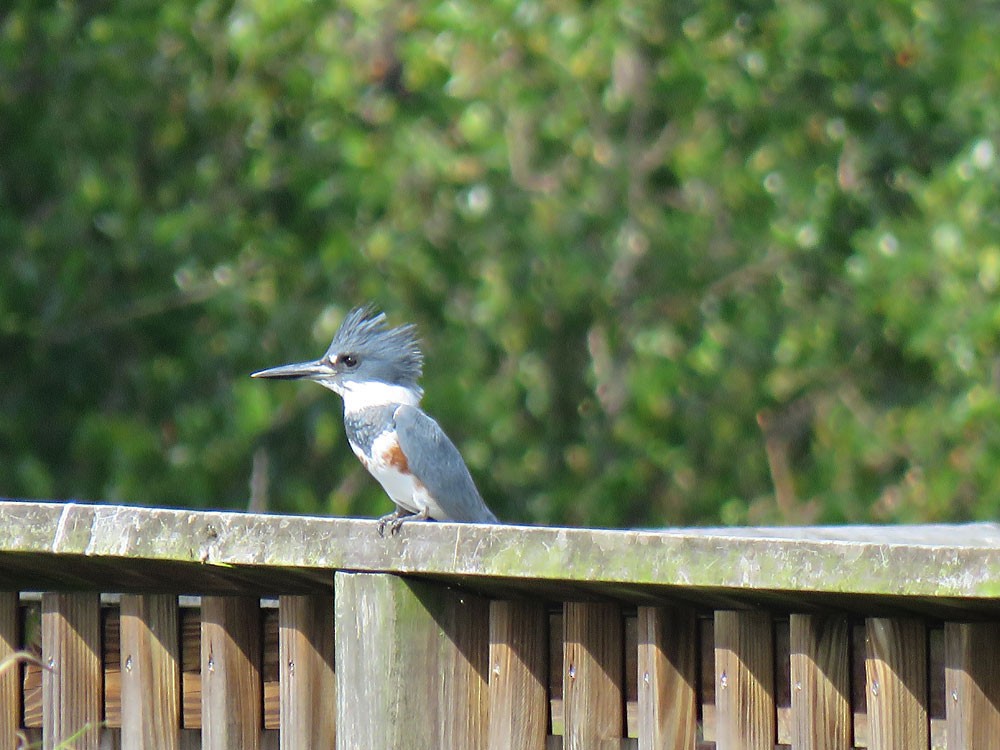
(364, 332)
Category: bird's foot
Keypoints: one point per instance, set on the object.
(395, 520)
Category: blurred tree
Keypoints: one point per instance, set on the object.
(681, 263)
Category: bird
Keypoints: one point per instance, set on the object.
(376, 370)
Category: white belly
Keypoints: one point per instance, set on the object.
(405, 489)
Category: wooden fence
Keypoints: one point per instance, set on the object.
(152, 628)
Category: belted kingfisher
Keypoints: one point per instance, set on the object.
(375, 370)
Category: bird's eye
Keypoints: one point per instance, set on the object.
(349, 361)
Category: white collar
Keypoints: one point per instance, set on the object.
(358, 396)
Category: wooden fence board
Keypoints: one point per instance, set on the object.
(31, 640)
(667, 674)
(111, 659)
(231, 700)
(896, 678)
(389, 629)
(744, 681)
(150, 672)
(10, 670)
(190, 656)
(972, 685)
(72, 677)
(898, 693)
(306, 662)
(155, 549)
(464, 656)
(556, 672)
(859, 684)
(782, 681)
(706, 677)
(593, 661)
(936, 705)
(32, 716)
(820, 664)
(270, 673)
(518, 680)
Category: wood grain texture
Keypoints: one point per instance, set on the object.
(10, 670)
(464, 654)
(518, 680)
(411, 664)
(896, 683)
(72, 680)
(231, 698)
(150, 672)
(144, 550)
(593, 663)
(972, 685)
(667, 674)
(190, 627)
(270, 676)
(306, 662)
(111, 660)
(820, 662)
(744, 681)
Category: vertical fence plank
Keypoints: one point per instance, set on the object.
(308, 684)
(150, 672)
(744, 681)
(72, 689)
(10, 692)
(231, 700)
(821, 709)
(519, 652)
(896, 674)
(972, 678)
(593, 652)
(464, 658)
(667, 665)
(411, 664)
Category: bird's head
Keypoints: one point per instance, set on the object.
(367, 363)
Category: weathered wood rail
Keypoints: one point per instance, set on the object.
(153, 628)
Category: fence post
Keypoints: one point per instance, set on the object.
(411, 664)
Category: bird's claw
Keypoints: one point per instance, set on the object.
(393, 520)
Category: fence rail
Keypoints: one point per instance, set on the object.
(154, 628)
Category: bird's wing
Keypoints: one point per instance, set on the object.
(436, 462)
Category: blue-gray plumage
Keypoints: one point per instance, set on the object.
(366, 424)
(376, 370)
(436, 462)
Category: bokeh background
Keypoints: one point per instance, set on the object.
(672, 263)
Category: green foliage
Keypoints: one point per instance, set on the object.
(672, 263)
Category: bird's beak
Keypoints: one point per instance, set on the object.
(297, 371)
